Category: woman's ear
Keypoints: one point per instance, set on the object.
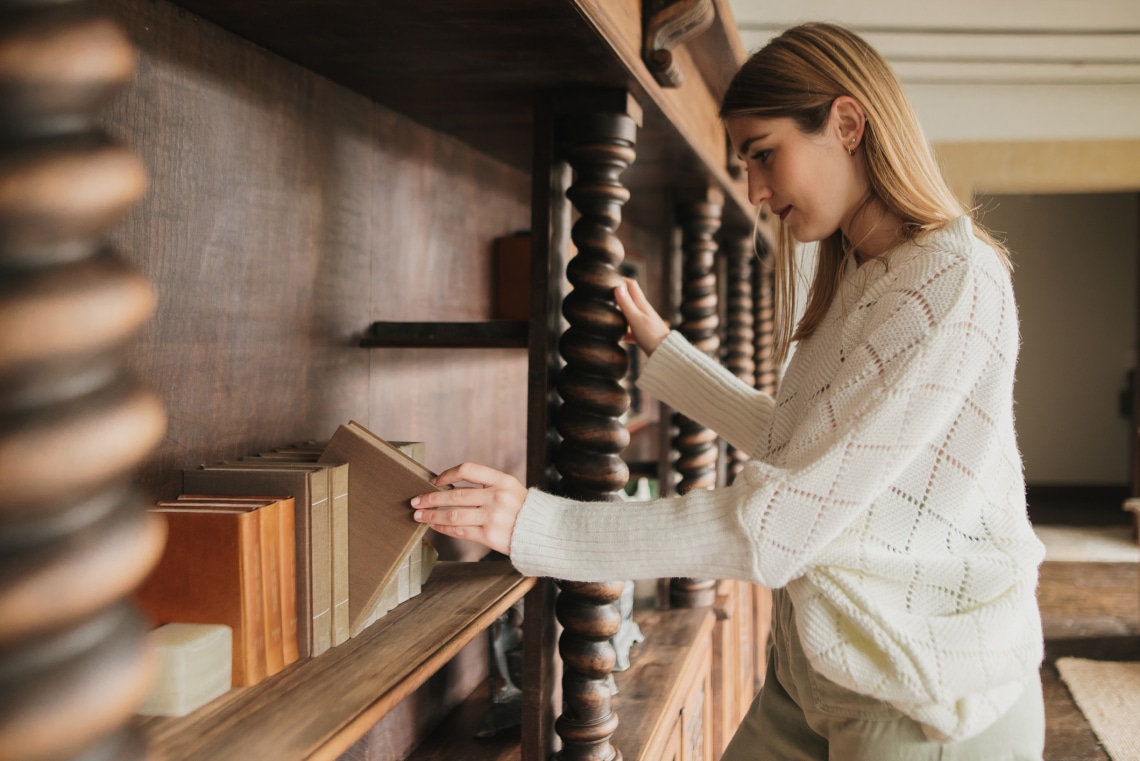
(848, 120)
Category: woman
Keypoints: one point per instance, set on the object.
(884, 501)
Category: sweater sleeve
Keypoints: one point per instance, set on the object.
(925, 347)
(696, 385)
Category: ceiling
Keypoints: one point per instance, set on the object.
(992, 69)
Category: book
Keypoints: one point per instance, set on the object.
(511, 273)
(309, 486)
(210, 573)
(381, 482)
(338, 500)
(268, 520)
(408, 582)
(286, 563)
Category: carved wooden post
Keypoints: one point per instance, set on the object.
(599, 146)
(741, 337)
(765, 318)
(696, 445)
(75, 537)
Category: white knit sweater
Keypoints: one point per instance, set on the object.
(885, 490)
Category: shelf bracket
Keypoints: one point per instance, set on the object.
(668, 24)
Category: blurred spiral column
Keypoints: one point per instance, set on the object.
(764, 280)
(741, 336)
(599, 146)
(75, 538)
(696, 445)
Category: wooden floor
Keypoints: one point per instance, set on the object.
(1089, 610)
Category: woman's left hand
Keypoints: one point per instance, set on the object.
(485, 513)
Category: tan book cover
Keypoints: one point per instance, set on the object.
(338, 486)
(286, 563)
(268, 521)
(381, 482)
(308, 484)
(210, 573)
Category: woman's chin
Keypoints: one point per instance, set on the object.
(806, 234)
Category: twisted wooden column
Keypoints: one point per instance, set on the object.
(696, 445)
(599, 147)
(764, 335)
(75, 539)
(741, 337)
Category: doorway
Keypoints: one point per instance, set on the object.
(1075, 279)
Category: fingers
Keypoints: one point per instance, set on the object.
(638, 296)
(477, 524)
(485, 513)
(647, 327)
(471, 473)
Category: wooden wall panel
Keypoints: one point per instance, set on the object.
(284, 215)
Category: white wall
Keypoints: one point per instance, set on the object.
(950, 112)
(1075, 259)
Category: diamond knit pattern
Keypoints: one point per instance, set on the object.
(885, 490)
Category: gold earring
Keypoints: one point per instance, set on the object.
(851, 150)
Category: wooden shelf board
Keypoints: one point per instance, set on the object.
(316, 709)
(506, 334)
(650, 692)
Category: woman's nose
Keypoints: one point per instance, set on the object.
(758, 190)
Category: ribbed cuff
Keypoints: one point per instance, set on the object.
(696, 385)
(697, 535)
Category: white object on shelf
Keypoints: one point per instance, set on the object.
(194, 667)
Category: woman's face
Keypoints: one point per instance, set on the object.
(811, 182)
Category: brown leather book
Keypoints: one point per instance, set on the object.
(381, 482)
(309, 486)
(286, 562)
(210, 573)
(268, 510)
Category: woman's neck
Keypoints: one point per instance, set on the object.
(872, 231)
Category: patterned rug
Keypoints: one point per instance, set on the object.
(1108, 694)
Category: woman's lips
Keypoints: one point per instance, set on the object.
(783, 213)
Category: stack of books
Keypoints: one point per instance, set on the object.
(230, 560)
(296, 550)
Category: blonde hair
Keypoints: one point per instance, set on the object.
(798, 75)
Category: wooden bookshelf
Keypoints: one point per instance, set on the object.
(311, 167)
(663, 699)
(665, 684)
(316, 709)
(456, 738)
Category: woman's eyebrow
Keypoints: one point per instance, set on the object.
(750, 141)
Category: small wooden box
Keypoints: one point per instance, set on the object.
(512, 278)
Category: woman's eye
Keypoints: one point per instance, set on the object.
(761, 157)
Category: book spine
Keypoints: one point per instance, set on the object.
(271, 580)
(287, 552)
(254, 665)
(321, 538)
(338, 482)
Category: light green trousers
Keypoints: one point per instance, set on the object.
(801, 716)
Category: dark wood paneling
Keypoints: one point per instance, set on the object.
(285, 214)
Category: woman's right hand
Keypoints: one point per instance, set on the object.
(645, 325)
